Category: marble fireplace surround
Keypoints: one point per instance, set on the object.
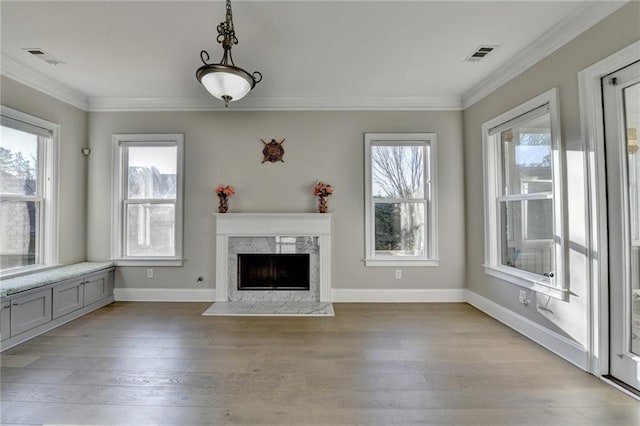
(232, 225)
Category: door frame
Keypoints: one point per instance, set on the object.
(592, 132)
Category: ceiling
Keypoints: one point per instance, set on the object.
(312, 54)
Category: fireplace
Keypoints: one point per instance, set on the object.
(279, 235)
(260, 271)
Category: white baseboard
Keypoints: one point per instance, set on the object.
(556, 343)
(339, 295)
(164, 295)
(352, 295)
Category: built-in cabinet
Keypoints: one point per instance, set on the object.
(32, 312)
(96, 288)
(68, 296)
(5, 324)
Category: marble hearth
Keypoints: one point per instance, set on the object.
(273, 233)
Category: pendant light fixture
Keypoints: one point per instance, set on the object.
(225, 81)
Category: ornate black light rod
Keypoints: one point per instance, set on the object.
(225, 80)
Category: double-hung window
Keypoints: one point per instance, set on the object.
(28, 209)
(523, 203)
(147, 199)
(400, 216)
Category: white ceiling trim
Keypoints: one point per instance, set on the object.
(252, 103)
(566, 30)
(34, 79)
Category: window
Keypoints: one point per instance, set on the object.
(147, 200)
(400, 217)
(523, 208)
(28, 209)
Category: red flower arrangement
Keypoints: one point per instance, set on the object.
(225, 191)
(322, 190)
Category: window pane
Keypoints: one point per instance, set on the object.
(539, 219)
(527, 235)
(632, 118)
(19, 227)
(399, 229)
(152, 172)
(397, 171)
(150, 230)
(526, 157)
(18, 162)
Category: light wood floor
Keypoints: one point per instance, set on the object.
(372, 364)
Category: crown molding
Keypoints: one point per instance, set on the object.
(252, 103)
(38, 81)
(572, 26)
(585, 17)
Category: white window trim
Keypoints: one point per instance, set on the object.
(48, 241)
(431, 244)
(555, 287)
(118, 190)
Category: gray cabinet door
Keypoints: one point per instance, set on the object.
(67, 297)
(5, 318)
(30, 311)
(96, 288)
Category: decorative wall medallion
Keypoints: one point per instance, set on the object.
(273, 151)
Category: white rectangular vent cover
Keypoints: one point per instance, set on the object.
(480, 53)
(42, 55)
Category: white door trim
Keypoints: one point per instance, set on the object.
(592, 130)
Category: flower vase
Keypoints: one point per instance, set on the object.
(322, 204)
(223, 207)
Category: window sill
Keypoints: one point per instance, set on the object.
(407, 263)
(522, 280)
(149, 261)
(27, 271)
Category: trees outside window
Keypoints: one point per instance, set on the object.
(400, 216)
(27, 192)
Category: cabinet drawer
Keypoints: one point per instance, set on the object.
(96, 288)
(5, 318)
(67, 297)
(30, 311)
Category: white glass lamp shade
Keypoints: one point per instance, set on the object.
(221, 84)
(226, 82)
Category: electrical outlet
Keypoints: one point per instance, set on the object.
(149, 272)
(398, 274)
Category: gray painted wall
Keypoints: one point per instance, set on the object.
(557, 70)
(225, 148)
(73, 165)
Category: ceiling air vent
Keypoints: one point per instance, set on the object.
(480, 53)
(42, 55)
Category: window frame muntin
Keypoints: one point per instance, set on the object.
(429, 142)
(120, 201)
(47, 242)
(493, 178)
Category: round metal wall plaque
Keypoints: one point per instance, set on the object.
(273, 151)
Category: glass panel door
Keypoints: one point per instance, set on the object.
(621, 95)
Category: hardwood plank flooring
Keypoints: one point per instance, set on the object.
(371, 364)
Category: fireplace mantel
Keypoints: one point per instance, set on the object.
(272, 224)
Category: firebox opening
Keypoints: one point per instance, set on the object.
(259, 271)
